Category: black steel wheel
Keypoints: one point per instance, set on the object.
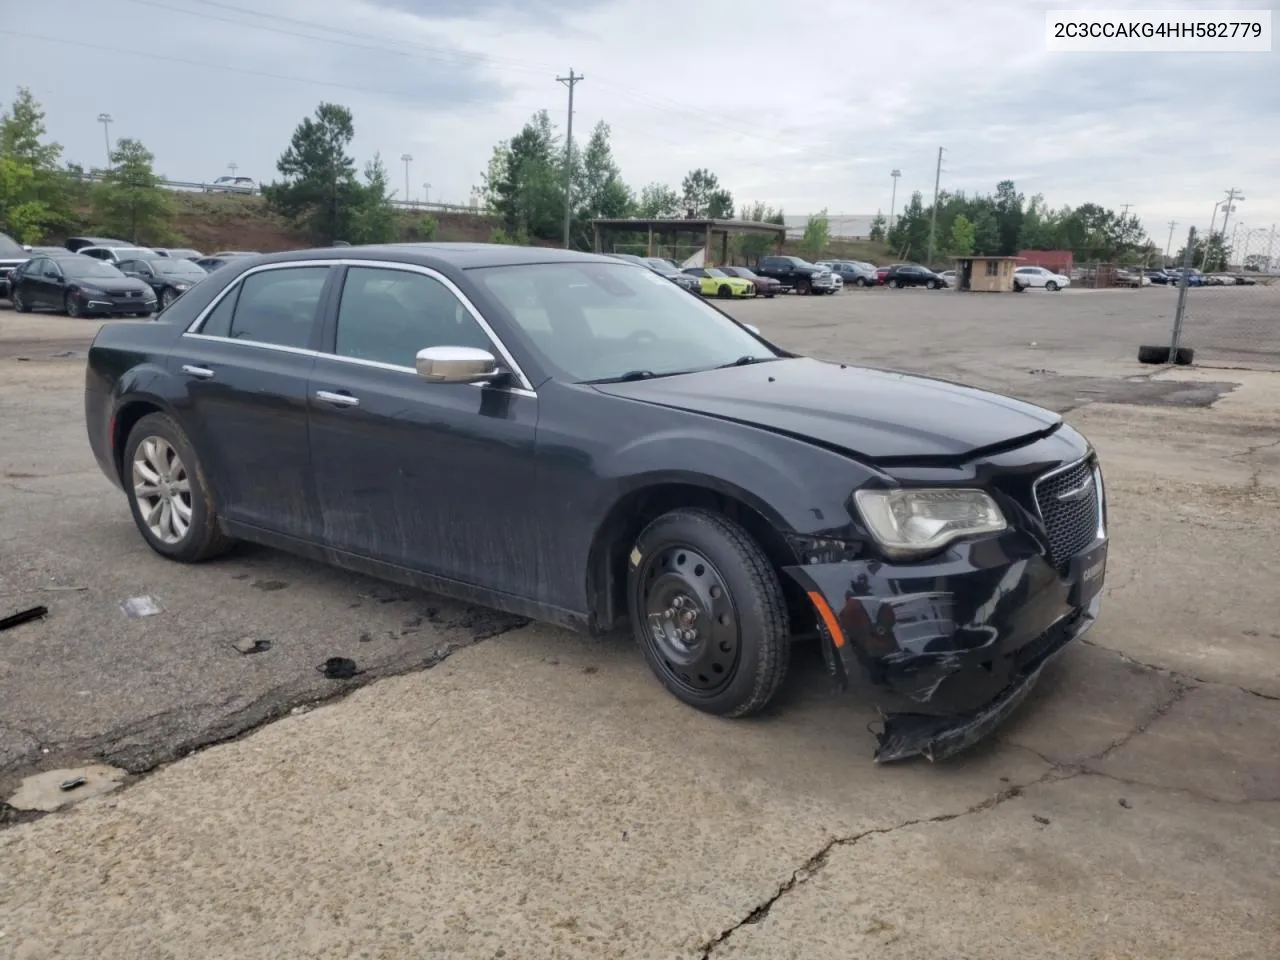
(708, 611)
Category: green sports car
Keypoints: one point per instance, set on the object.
(717, 283)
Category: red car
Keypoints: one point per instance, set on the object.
(881, 273)
(765, 286)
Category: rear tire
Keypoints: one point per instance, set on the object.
(168, 493)
(20, 305)
(707, 609)
(859, 282)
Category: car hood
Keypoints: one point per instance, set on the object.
(877, 415)
(112, 284)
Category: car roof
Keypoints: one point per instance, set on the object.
(463, 256)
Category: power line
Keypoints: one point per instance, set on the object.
(570, 81)
(445, 54)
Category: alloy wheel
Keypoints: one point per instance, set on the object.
(72, 308)
(162, 489)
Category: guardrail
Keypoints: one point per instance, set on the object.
(195, 186)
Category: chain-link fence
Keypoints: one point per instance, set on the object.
(1228, 305)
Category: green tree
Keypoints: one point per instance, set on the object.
(1009, 216)
(1209, 254)
(373, 218)
(702, 196)
(962, 233)
(986, 232)
(909, 237)
(817, 235)
(523, 186)
(318, 177)
(878, 228)
(34, 193)
(658, 200)
(128, 200)
(599, 190)
(751, 247)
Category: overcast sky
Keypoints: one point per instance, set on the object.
(807, 108)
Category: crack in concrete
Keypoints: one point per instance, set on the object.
(815, 863)
(1250, 451)
(1177, 675)
(150, 749)
(1166, 704)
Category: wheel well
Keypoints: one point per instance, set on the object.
(607, 567)
(125, 420)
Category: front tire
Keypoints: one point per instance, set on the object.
(707, 609)
(167, 297)
(168, 493)
(69, 305)
(1051, 286)
(803, 287)
(723, 292)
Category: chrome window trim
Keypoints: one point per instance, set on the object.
(524, 389)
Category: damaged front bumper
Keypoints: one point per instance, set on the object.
(950, 647)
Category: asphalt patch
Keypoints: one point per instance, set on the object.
(1068, 393)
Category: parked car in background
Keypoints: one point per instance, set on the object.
(12, 254)
(714, 282)
(948, 277)
(794, 273)
(941, 543)
(1025, 277)
(910, 275)
(116, 254)
(80, 286)
(179, 253)
(237, 253)
(213, 263)
(674, 274)
(1125, 277)
(1220, 280)
(75, 244)
(765, 286)
(232, 185)
(855, 273)
(169, 278)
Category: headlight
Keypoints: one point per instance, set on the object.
(91, 292)
(910, 522)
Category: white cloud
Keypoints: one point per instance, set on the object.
(809, 109)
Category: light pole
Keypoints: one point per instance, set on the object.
(893, 197)
(105, 120)
(408, 159)
(233, 167)
(426, 194)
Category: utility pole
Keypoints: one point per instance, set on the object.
(1168, 243)
(571, 81)
(1124, 209)
(105, 120)
(426, 194)
(1270, 244)
(1231, 199)
(893, 197)
(933, 220)
(408, 159)
(233, 167)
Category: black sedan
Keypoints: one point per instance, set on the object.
(170, 279)
(568, 437)
(79, 286)
(911, 275)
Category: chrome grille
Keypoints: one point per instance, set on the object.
(1069, 505)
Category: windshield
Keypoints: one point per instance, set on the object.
(87, 268)
(745, 272)
(177, 268)
(10, 247)
(597, 321)
(716, 272)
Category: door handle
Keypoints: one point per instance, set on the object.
(204, 373)
(338, 399)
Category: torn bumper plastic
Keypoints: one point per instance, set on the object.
(948, 648)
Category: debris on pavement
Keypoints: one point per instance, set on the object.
(1043, 821)
(135, 608)
(23, 616)
(270, 586)
(1126, 804)
(338, 668)
(55, 789)
(250, 645)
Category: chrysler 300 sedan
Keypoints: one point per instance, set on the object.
(572, 438)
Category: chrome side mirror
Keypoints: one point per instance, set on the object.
(456, 365)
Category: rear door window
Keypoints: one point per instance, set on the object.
(277, 307)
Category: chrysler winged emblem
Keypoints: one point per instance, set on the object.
(1077, 493)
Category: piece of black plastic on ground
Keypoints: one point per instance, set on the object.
(23, 616)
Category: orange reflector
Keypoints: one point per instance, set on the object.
(828, 618)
